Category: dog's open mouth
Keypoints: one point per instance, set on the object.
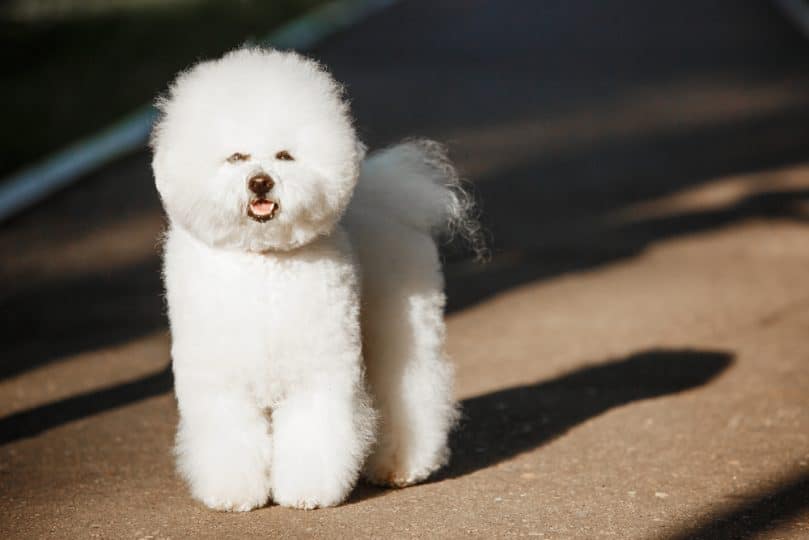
(262, 209)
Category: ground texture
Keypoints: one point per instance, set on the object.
(632, 362)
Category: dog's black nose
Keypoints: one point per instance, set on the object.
(260, 184)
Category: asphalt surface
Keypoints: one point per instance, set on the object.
(632, 362)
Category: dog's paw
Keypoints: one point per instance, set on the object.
(230, 487)
(232, 494)
(307, 495)
(393, 476)
(308, 484)
(389, 469)
(238, 504)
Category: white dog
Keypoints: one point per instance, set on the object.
(306, 323)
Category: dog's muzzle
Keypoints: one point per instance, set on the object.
(261, 208)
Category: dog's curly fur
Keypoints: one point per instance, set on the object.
(307, 341)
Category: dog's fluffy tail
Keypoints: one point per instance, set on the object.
(415, 183)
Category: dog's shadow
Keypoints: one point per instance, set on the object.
(499, 425)
(495, 426)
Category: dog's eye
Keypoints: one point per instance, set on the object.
(283, 155)
(236, 156)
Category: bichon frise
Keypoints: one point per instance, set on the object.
(304, 287)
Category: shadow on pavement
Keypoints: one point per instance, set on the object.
(49, 316)
(762, 513)
(496, 426)
(604, 244)
(31, 422)
(55, 319)
(499, 425)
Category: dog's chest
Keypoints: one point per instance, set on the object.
(260, 319)
(266, 302)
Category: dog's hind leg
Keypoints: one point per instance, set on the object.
(403, 336)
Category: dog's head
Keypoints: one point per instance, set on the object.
(255, 151)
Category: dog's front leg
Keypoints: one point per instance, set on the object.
(321, 435)
(223, 443)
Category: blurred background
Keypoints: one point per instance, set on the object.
(73, 67)
(633, 359)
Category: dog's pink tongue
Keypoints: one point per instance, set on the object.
(262, 208)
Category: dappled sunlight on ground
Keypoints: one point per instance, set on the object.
(790, 185)
(652, 110)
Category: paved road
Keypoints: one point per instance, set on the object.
(633, 361)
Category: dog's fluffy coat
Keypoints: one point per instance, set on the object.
(308, 348)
